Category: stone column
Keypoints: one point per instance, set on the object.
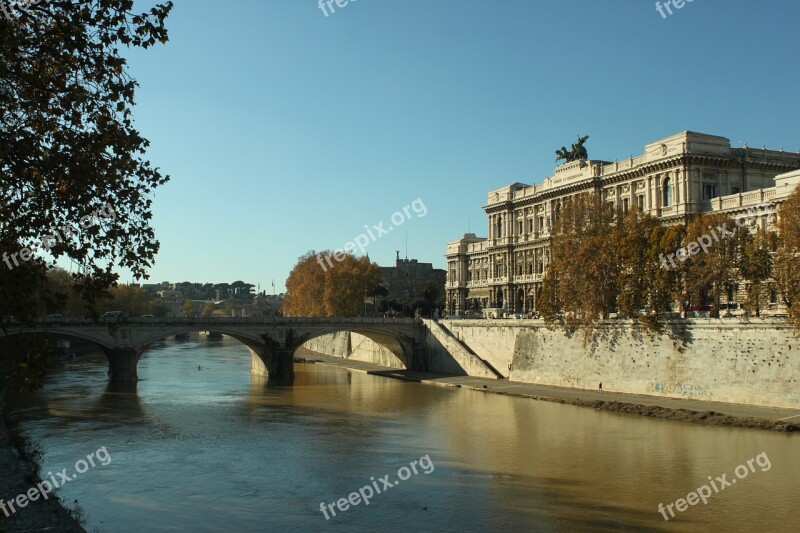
(277, 364)
(281, 371)
(122, 364)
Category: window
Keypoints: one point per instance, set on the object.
(735, 190)
(625, 205)
(519, 228)
(640, 201)
(667, 192)
(709, 191)
(541, 223)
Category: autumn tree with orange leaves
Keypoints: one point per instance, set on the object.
(787, 257)
(320, 290)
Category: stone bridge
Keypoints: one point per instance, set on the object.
(272, 341)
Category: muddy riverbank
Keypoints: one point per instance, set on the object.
(20, 473)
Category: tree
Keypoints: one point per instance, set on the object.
(582, 279)
(632, 236)
(208, 309)
(348, 283)
(754, 262)
(187, 309)
(710, 268)
(669, 284)
(132, 301)
(430, 293)
(306, 287)
(337, 290)
(787, 256)
(75, 182)
(69, 149)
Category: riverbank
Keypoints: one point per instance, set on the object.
(19, 474)
(695, 411)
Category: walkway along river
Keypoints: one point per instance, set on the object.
(203, 446)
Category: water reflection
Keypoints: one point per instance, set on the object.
(202, 445)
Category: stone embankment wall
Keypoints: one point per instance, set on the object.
(754, 362)
(354, 346)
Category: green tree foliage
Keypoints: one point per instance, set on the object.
(132, 301)
(430, 293)
(69, 150)
(187, 308)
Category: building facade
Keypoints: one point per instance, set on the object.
(407, 279)
(676, 179)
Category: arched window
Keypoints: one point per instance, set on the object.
(667, 192)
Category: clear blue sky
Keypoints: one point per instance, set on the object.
(285, 130)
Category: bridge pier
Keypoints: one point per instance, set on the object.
(122, 364)
(276, 364)
(281, 372)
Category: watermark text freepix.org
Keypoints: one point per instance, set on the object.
(86, 222)
(705, 241)
(678, 4)
(703, 493)
(323, 4)
(46, 487)
(366, 492)
(9, 8)
(362, 240)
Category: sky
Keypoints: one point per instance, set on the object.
(285, 130)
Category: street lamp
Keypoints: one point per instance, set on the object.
(365, 301)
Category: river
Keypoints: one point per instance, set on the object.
(204, 446)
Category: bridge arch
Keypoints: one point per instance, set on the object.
(272, 343)
(400, 347)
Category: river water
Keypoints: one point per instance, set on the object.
(204, 446)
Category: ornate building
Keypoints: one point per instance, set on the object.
(676, 178)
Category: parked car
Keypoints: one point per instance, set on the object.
(112, 314)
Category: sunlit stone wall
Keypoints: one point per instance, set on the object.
(727, 360)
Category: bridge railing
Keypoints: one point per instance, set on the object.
(210, 322)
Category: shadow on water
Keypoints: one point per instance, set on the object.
(120, 399)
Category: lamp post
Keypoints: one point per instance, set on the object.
(365, 301)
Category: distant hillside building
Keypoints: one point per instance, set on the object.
(409, 277)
